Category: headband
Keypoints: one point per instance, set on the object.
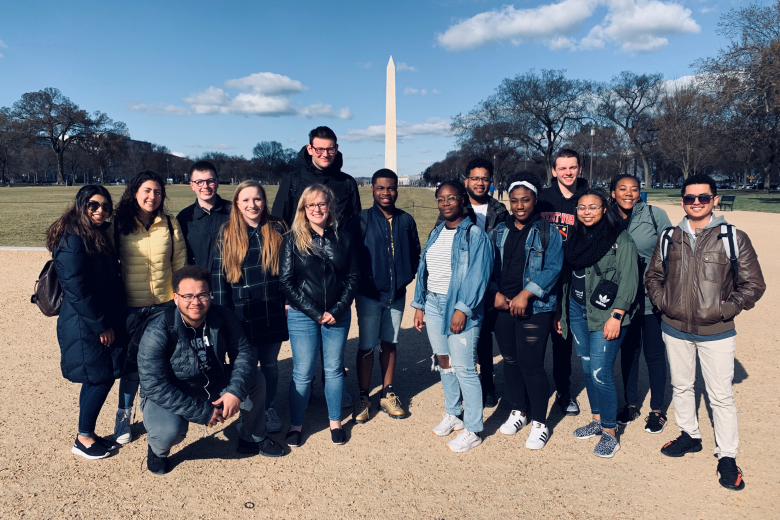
(524, 184)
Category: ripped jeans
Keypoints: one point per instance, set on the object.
(462, 389)
(598, 360)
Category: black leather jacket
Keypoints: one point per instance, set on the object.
(313, 285)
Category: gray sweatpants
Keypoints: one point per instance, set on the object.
(165, 429)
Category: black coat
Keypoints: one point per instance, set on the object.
(93, 302)
(313, 285)
(201, 229)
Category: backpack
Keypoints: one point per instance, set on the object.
(727, 237)
(48, 291)
(116, 238)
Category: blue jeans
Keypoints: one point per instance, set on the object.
(598, 360)
(307, 339)
(267, 357)
(91, 400)
(378, 321)
(462, 389)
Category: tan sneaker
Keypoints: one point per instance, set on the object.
(361, 415)
(391, 405)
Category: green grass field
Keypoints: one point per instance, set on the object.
(747, 200)
(26, 212)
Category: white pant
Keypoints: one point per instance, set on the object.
(717, 366)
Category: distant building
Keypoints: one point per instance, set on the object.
(409, 180)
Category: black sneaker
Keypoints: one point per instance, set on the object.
(627, 415)
(267, 448)
(489, 399)
(681, 445)
(293, 439)
(96, 450)
(567, 405)
(730, 474)
(155, 464)
(110, 444)
(338, 436)
(655, 422)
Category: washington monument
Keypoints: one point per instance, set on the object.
(391, 162)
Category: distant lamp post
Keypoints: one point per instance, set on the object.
(592, 134)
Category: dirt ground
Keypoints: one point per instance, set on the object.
(389, 468)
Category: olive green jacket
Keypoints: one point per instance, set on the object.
(619, 265)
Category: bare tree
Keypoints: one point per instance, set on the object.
(105, 141)
(11, 141)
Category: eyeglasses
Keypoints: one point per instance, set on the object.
(322, 206)
(447, 201)
(585, 209)
(484, 180)
(202, 297)
(704, 198)
(93, 206)
(211, 182)
(325, 151)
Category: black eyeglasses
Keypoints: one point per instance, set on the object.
(211, 182)
(704, 198)
(93, 206)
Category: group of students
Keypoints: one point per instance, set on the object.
(162, 301)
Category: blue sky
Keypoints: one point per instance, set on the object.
(199, 76)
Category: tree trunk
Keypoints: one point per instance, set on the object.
(60, 167)
(646, 166)
(745, 177)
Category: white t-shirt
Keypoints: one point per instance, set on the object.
(481, 214)
(438, 260)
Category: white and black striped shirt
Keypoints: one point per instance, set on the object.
(438, 260)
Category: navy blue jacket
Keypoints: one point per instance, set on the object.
(386, 267)
(93, 302)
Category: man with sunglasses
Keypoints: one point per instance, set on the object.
(321, 163)
(699, 291)
(201, 221)
(184, 378)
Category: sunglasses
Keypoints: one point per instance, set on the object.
(691, 199)
(93, 206)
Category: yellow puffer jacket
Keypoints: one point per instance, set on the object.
(146, 261)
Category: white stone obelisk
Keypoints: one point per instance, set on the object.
(390, 137)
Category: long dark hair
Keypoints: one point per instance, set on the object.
(127, 208)
(76, 221)
(609, 218)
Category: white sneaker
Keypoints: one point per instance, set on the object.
(449, 424)
(464, 442)
(513, 424)
(122, 433)
(346, 399)
(538, 436)
(272, 422)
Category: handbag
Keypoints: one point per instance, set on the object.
(48, 291)
(606, 291)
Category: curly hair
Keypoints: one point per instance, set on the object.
(76, 221)
(128, 209)
(479, 162)
(526, 176)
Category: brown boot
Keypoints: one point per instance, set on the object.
(391, 405)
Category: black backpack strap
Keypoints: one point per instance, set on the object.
(544, 234)
(666, 240)
(726, 235)
(596, 268)
(170, 230)
(295, 181)
(652, 217)
(468, 234)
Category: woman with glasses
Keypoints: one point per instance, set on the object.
(151, 248)
(245, 278)
(91, 323)
(600, 281)
(451, 282)
(644, 224)
(319, 275)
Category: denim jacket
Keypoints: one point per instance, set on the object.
(542, 268)
(471, 264)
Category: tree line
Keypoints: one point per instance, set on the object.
(723, 120)
(47, 138)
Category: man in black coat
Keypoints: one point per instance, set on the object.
(184, 378)
(321, 163)
(200, 222)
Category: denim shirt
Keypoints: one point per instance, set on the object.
(542, 267)
(471, 264)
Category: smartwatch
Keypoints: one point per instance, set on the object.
(618, 316)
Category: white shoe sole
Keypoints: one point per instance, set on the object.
(659, 431)
(463, 449)
(506, 432)
(535, 446)
(74, 450)
(124, 439)
(617, 449)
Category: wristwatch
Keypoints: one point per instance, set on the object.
(618, 316)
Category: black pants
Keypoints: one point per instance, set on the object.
(485, 351)
(644, 333)
(561, 349)
(523, 343)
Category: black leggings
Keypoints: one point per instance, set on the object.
(523, 343)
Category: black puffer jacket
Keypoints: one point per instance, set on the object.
(314, 285)
(93, 302)
(168, 366)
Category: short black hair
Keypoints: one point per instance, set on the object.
(526, 176)
(384, 173)
(619, 177)
(202, 166)
(322, 132)
(191, 272)
(479, 162)
(565, 153)
(699, 179)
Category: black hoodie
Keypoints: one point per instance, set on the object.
(555, 208)
(343, 186)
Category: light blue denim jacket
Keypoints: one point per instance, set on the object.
(542, 269)
(472, 263)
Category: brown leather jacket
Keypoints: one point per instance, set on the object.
(699, 296)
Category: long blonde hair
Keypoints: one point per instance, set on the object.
(235, 238)
(301, 229)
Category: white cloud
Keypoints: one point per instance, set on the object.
(366, 65)
(214, 100)
(706, 10)
(423, 150)
(158, 108)
(436, 91)
(635, 25)
(3, 45)
(321, 110)
(433, 126)
(266, 83)
(403, 67)
(291, 140)
(412, 91)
